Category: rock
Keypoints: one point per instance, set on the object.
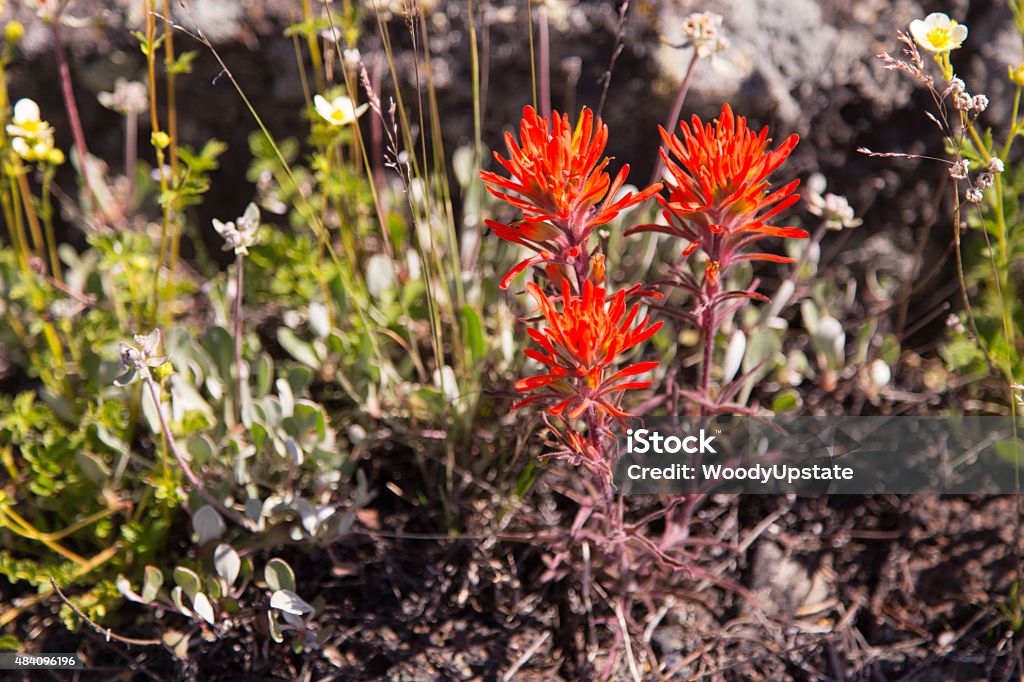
(784, 585)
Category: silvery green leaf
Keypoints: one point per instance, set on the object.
(185, 398)
(254, 511)
(297, 348)
(227, 563)
(264, 374)
(187, 580)
(293, 450)
(125, 379)
(285, 397)
(93, 467)
(289, 602)
(202, 448)
(125, 588)
(149, 411)
(295, 621)
(463, 162)
(177, 596)
(380, 274)
(312, 517)
(207, 524)
(279, 575)
(275, 627)
(154, 581)
(809, 313)
(734, 355)
(201, 604)
(829, 339)
(177, 642)
(319, 320)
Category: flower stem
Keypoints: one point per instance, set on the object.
(544, 50)
(240, 372)
(74, 119)
(677, 109)
(183, 463)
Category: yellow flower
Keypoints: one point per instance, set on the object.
(338, 112)
(1017, 74)
(938, 33)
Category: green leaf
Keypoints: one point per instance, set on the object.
(275, 628)
(201, 604)
(787, 401)
(1010, 451)
(183, 63)
(177, 597)
(202, 449)
(264, 374)
(297, 348)
(154, 581)
(227, 563)
(207, 524)
(289, 602)
(473, 333)
(187, 580)
(10, 643)
(93, 467)
(279, 575)
(177, 642)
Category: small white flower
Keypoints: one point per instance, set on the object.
(352, 58)
(985, 180)
(974, 195)
(128, 97)
(979, 103)
(959, 170)
(242, 235)
(340, 111)
(31, 137)
(703, 32)
(963, 102)
(995, 165)
(835, 209)
(938, 33)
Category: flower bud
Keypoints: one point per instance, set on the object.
(13, 32)
(160, 139)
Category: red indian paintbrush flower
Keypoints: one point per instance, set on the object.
(579, 346)
(719, 198)
(557, 177)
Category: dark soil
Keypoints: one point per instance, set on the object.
(915, 588)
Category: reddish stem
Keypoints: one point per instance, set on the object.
(73, 118)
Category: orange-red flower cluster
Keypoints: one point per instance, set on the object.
(579, 346)
(558, 178)
(719, 198)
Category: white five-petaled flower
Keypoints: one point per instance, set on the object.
(938, 33)
(241, 234)
(338, 112)
(31, 137)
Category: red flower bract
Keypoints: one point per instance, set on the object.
(579, 346)
(557, 177)
(719, 196)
